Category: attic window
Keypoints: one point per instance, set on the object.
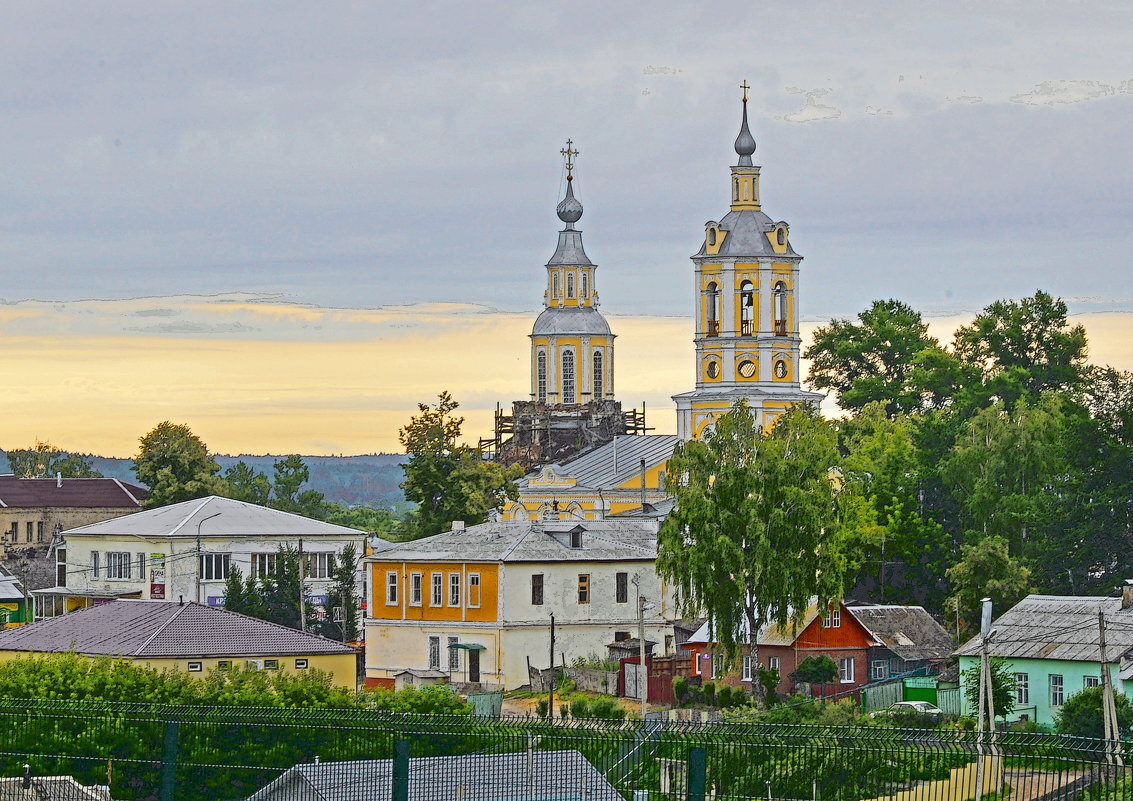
(576, 537)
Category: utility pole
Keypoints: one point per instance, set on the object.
(551, 698)
(302, 599)
(986, 694)
(643, 673)
(1109, 707)
(200, 561)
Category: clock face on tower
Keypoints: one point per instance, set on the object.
(780, 369)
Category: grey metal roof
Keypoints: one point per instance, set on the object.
(52, 788)
(569, 251)
(1058, 627)
(596, 469)
(570, 320)
(232, 519)
(164, 629)
(908, 631)
(747, 237)
(524, 541)
(554, 775)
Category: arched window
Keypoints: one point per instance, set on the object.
(747, 309)
(585, 285)
(541, 377)
(713, 309)
(712, 237)
(570, 285)
(554, 285)
(568, 376)
(780, 309)
(599, 385)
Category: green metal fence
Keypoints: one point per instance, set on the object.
(169, 752)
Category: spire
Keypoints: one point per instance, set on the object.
(745, 142)
(569, 209)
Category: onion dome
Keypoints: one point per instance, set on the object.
(569, 209)
(745, 142)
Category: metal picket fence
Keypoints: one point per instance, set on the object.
(131, 752)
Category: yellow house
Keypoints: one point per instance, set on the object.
(614, 479)
(188, 637)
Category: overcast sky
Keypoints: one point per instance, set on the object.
(359, 155)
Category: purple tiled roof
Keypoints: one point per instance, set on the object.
(83, 493)
(164, 629)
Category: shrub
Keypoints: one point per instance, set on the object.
(708, 693)
(769, 678)
(542, 707)
(606, 709)
(724, 697)
(739, 697)
(1081, 715)
(680, 691)
(564, 711)
(579, 708)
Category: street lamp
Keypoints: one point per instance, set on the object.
(200, 566)
(643, 671)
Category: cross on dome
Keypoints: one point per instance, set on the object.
(569, 155)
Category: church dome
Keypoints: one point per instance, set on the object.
(569, 208)
(582, 320)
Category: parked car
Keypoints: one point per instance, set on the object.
(919, 708)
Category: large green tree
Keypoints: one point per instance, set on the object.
(986, 569)
(45, 460)
(176, 466)
(1023, 348)
(273, 595)
(247, 484)
(757, 531)
(446, 480)
(872, 360)
(287, 492)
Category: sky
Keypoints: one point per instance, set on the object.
(287, 225)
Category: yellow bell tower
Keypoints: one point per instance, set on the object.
(746, 307)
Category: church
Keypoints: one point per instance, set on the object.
(746, 308)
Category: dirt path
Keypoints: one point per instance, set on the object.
(1030, 784)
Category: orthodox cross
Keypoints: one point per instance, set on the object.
(569, 155)
(745, 87)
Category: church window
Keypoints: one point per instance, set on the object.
(746, 189)
(735, 189)
(712, 237)
(713, 309)
(780, 309)
(568, 376)
(570, 285)
(598, 384)
(781, 235)
(747, 309)
(541, 376)
(554, 285)
(585, 286)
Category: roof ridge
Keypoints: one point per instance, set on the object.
(129, 494)
(189, 516)
(141, 648)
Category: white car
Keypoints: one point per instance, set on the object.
(924, 708)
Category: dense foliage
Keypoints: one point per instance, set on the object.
(44, 460)
(997, 465)
(1081, 715)
(446, 480)
(176, 466)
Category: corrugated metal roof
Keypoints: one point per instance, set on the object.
(163, 629)
(523, 541)
(554, 774)
(228, 518)
(1058, 627)
(614, 463)
(82, 493)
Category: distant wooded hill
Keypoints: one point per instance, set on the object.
(371, 480)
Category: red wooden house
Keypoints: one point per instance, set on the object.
(866, 642)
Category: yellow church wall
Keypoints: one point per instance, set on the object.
(342, 667)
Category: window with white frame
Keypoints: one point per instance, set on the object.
(118, 565)
(541, 376)
(599, 388)
(454, 589)
(434, 652)
(141, 564)
(453, 653)
(748, 672)
(833, 618)
(474, 590)
(215, 566)
(570, 284)
(416, 589)
(1091, 681)
(846, 670)
(1022, 689)
(1056, 689)
(585, 284)
(391, 588)
(263, 564)
(878, 669)
(94, 564)
(436, 589)
(319, 565)
(568, 377)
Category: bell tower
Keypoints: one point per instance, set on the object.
(746, 306)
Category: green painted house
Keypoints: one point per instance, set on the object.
(1050, 643)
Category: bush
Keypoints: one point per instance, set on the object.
(1081, 715)
(769, 678)
(739, 697)
(606, 709)
(579, 708)
(724, 697)
(680, 691)
(564, 711)
(708, 693)
(542, 707)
